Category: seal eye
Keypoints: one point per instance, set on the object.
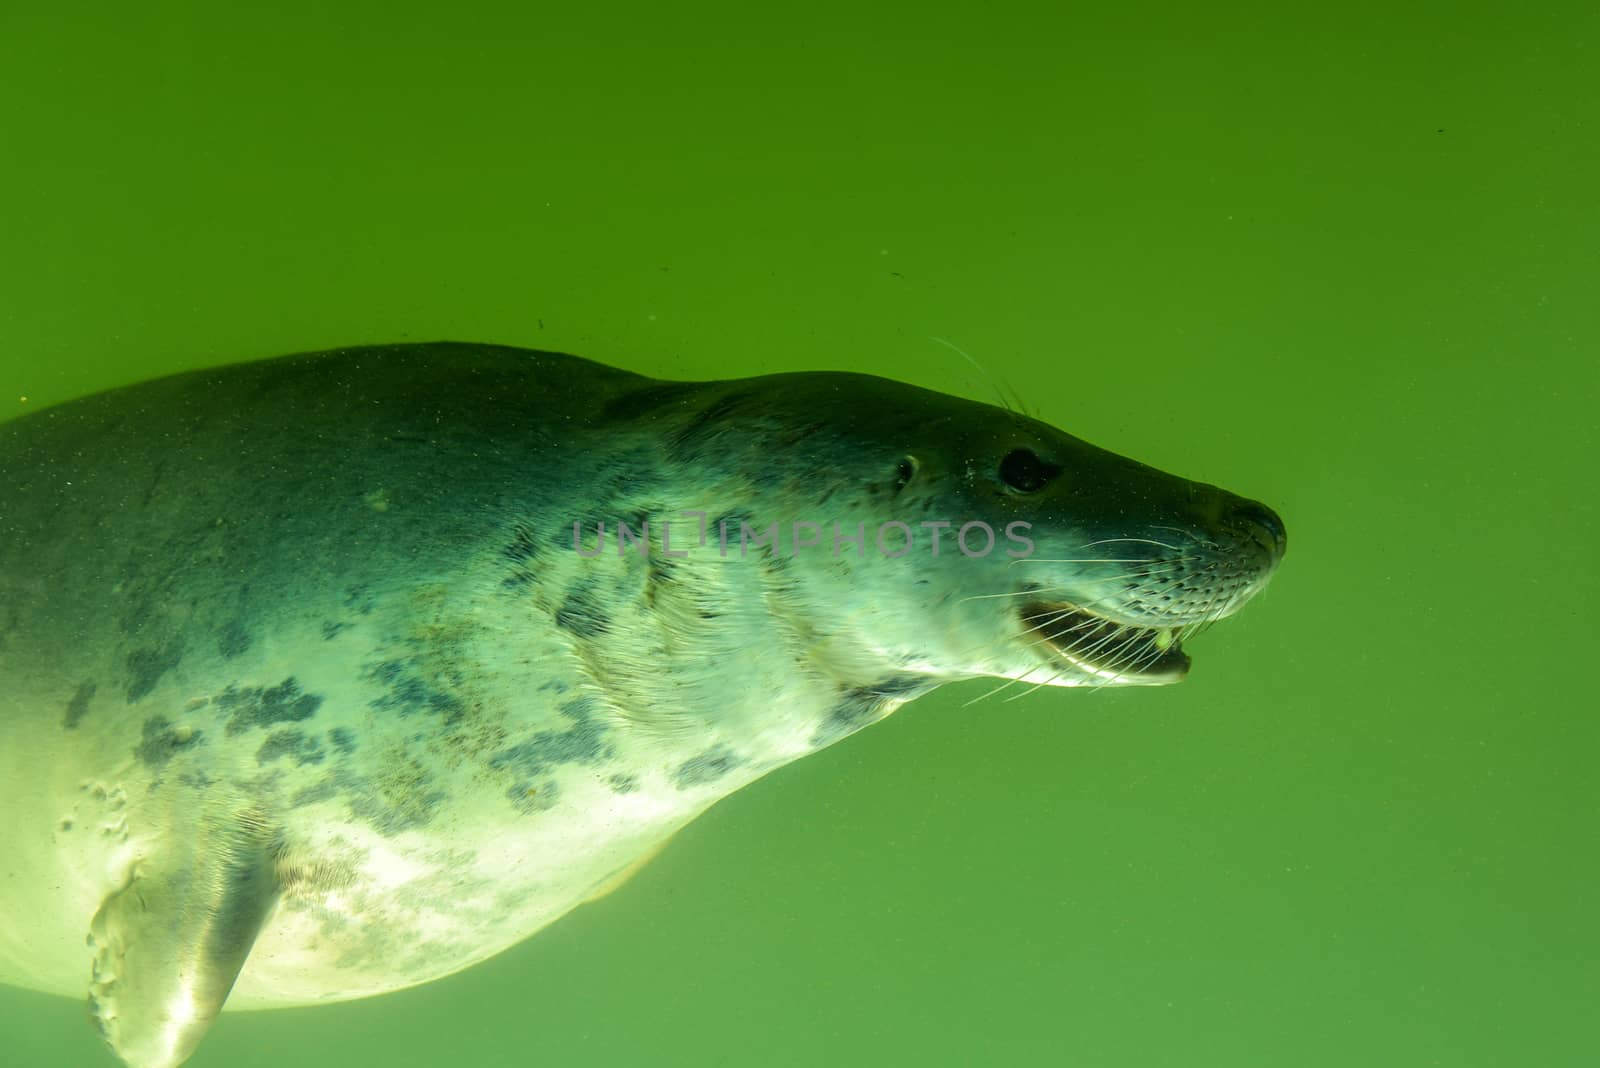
(1024, 472)
(904, 472)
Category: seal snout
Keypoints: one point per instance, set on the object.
(1261, 524)
(1124, 603)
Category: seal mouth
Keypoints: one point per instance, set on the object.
(1105, 649)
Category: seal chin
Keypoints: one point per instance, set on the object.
(1108, 652)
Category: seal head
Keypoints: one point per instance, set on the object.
(959, 540)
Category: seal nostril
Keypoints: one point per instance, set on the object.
(1265, 524)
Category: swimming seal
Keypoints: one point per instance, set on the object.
(333, 674)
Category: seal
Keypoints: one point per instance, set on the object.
(333, 674)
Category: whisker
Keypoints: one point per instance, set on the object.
(1009, 398)
(984, 697)
(1013, 593)
(1035, 688)
(1044, 591)
(1206, 543)
(1083, 560)
(1134, 541)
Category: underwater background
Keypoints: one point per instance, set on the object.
(1340, 258)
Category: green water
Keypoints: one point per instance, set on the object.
(1342, 260)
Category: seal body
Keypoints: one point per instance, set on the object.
(330, 675)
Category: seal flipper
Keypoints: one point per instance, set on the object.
(169, 945)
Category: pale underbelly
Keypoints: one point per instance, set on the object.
(395, 912)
